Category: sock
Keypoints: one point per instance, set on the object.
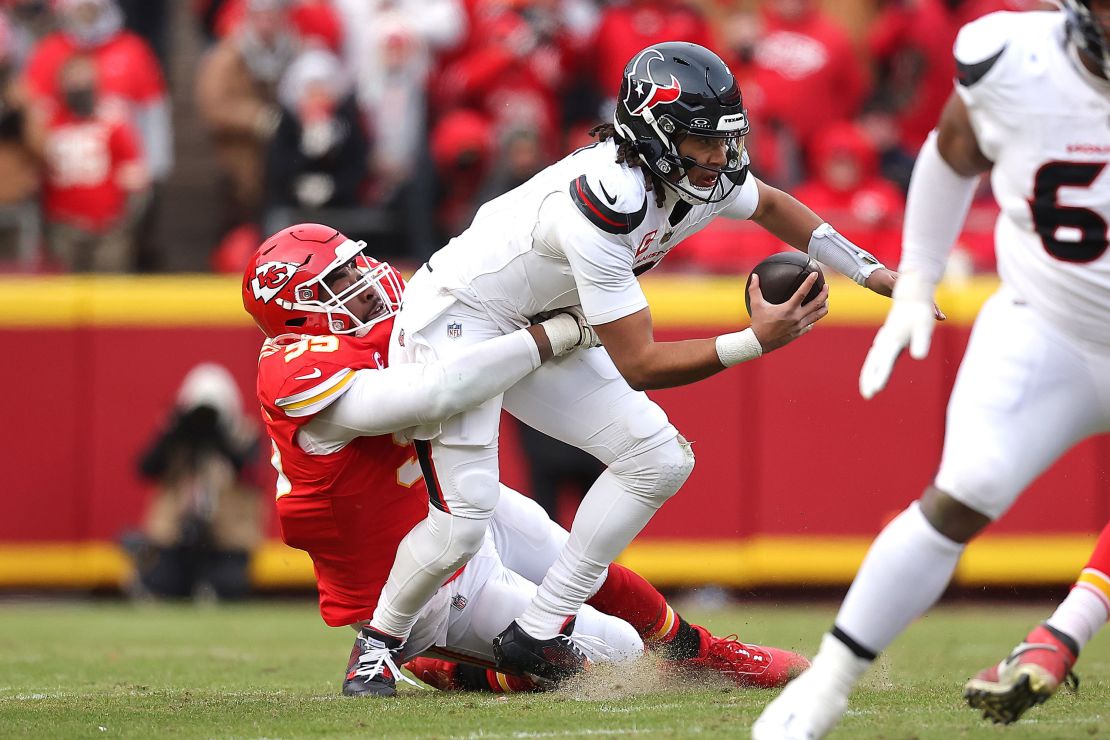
(472, 678)
(906, 570)
(627, 595)
(1087, 606)
(838, 665)
(606, 522)
(428, 556)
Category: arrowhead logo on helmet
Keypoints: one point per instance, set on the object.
(270, 278)
(644, 91)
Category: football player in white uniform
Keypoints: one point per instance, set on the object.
(1032, 105)
(578, 234)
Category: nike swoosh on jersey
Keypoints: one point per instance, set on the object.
(611, 198)
(316, 373)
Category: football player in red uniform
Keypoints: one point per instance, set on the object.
(350, 485)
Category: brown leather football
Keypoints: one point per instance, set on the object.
(780, 276)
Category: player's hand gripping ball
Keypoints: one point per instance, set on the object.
(780, 276)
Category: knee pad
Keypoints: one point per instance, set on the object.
(450, 543)
(657, 473)
(467, 479)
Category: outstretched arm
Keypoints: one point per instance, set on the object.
(403, 396)
(793, 222)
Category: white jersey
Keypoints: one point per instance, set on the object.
(1045, 123)
(577, 233)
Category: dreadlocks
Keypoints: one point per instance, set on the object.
(626, 154)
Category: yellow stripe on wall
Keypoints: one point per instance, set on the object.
(760, 561)
(677, 301)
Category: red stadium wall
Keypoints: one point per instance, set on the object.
(794, 475)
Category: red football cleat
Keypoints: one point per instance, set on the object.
(439, 674)
(746, 665)
(1027, 677)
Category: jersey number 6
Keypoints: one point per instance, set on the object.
(1049, 216)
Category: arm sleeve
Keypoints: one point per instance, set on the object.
(602, 267)
(936, 207)
(393, 399)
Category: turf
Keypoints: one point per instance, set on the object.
(271, 669)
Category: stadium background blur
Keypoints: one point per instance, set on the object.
(217, 122)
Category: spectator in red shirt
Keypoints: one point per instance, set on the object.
(128, 71)
(95, 183)
(911, 44)
(626, 29)
(514, 78)
(845, 187)
(808, 70)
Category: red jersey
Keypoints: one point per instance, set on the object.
(126, 68)
(809, 74)
(83, 160)
(348, 509)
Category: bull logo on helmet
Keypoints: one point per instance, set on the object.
(269, 278)
(644, 90)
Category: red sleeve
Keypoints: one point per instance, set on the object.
(41, 73)
(852, 77)
(147, 82)
(304, 377)
(887, 33)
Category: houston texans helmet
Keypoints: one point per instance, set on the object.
(287, 285)
(674, 89)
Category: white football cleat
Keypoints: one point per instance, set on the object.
(807, 709)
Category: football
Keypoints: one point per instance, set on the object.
(780, 276)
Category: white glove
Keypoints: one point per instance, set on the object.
(910, 322)
(568, 330)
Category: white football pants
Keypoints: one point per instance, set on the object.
(462, 618)
(580, 399)
(1025, 394)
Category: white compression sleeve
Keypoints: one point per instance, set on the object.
(403, 396)
(936, 207)
(828, 245)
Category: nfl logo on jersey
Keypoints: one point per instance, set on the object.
(459, 602)
(454, 330)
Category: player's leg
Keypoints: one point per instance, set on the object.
(487, 596)
(1022, 398)
(583, 400)
(1033, 671)
(529, 543)
(1087, 607)
(460, 469)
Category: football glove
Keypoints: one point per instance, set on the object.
(910, 322)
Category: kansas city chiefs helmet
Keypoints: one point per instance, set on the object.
(287, 285)
(1086, 33)
(674, 89)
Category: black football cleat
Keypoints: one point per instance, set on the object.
(552, 660)
(371, 670)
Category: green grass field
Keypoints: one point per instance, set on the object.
(271, 669)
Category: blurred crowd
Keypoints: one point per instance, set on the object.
(395, 119)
